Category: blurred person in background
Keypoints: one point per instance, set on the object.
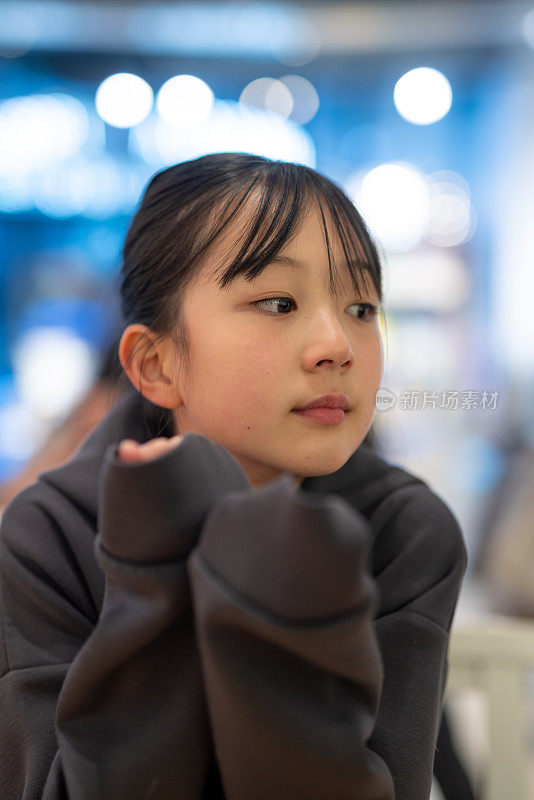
(64, 438)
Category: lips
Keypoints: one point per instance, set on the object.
(327, 401)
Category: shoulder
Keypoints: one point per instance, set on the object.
(401, 507)
(54, 520)
(416, 516)
(419, 556)
(26, 518)
(405, 515)
(39, 516)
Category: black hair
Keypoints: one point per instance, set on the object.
(185, 209)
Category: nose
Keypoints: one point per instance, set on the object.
(328, 342)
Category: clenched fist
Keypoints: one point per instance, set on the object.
(133, 452)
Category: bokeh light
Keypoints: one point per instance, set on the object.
(423, 95)
(393, 199)
(269, 94)
(231, 127)
(39, 129)
(305, 98)
(452, 217)
(297, 41)
(430, 280)
(124, 99)
(14, 17)
(184, 101)
(53, 369)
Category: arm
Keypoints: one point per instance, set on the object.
(419, 566)
(111, 707)
(284, 611)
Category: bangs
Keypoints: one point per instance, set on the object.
(359, 250)
(283, 196)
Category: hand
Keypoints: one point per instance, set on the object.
(132, 452)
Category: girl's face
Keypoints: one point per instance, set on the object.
(252, 364)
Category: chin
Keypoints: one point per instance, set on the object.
(322, 467)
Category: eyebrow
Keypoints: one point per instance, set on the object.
(301, 265)
(290, 262)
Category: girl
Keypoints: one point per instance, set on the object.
(222, 595)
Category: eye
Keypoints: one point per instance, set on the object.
(372, 311)
(274, 300)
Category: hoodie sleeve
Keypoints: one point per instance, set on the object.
(284, 609)
(112, 708)
(419, 562)
(322, 683)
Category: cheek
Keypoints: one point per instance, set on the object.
(370, 350)
(371, 362)
(378, 360)
(238, 372)
(258, 369)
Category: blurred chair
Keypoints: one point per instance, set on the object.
(494, 654)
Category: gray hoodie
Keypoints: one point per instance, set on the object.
(170, 632)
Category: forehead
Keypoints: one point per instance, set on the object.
(305, 254)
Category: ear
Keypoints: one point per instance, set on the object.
(150, 361)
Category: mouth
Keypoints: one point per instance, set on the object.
(327, 401)
(322, 414)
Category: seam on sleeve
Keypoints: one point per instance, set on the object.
(47, 667)
(413, 613)
(162, 562)
(270, 616)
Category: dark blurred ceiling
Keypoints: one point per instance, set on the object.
(156, 27)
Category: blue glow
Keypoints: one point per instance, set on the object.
(231, 127)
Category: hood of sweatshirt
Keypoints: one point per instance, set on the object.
(366, 477)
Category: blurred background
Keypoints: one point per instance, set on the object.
(422, 111)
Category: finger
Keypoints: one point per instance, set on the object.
(129, 450)
(132, 451)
